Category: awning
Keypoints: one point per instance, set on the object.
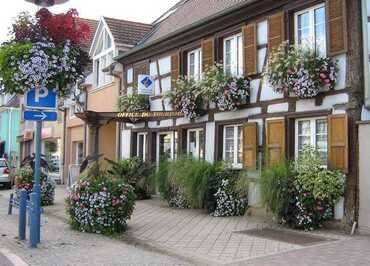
(127, 117)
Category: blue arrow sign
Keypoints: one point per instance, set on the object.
(41, 99)
(40, 116)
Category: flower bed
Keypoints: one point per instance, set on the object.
(300, 71)
(302, 195)
(99, 203)
(190, 183)
(24, 180)
(44, 52)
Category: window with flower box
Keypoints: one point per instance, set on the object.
(310, 28)
(195, 64)
(233, 145)
(233, 55)
(313, 132)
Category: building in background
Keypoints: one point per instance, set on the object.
(100, 92)
(9, 128)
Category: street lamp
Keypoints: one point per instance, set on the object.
(47, 3)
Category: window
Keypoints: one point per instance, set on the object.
(232, 145)
(313, 132)
(102, 58)
(167, 146)
(233, 55)
(194, 64)
(141, 146)
(310, 28)
(261, 45)
(195, 143)
(130, 80)
(79, 152)
(160, 70)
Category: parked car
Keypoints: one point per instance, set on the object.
(5, 177)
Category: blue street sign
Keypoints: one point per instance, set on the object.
(40, 116)
(41, 99)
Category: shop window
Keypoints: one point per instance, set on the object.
(233, 145)
(313, 132)
(196, 143)
(310, 28)
(233, 55)
(194, 64)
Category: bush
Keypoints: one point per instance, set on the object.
(302, 196)
(183, 182)
(100, 203)
(134, 172)
(134, 103)
(24, 178)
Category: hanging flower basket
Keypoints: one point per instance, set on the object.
(44, 52)
(300, 71)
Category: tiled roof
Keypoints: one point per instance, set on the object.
(187, 12)
(93, 24)
(127, 32)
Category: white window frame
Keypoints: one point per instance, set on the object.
(234, 163)
(313, 133)
(104, 54)
(173, 145)
(236, 51)
(144, 134)
(311, 11)
(197, 64)
(197, 142)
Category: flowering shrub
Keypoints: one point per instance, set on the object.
(225, 91)
(44, 52)
(24, 180)
(187, 98)
(302, 195)
(301, 71)
(100, 204)
(134, 103)
(226, 197)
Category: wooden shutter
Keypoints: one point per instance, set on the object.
(250, 49)
(250, 145)
(207, 54)
(175, 69)
(337, 26)
(275, 141)
(276, 30)
(338, 142)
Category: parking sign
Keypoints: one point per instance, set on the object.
(43, 99)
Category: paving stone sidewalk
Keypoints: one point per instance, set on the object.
(193, 237)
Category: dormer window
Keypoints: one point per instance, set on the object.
(103, 57)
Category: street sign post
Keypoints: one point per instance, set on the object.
(40, 106)
(40, 116)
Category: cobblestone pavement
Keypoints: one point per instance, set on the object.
(63, 247)
(177, 237)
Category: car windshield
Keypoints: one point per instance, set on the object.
(2, 163)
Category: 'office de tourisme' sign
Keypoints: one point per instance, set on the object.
(150, 114)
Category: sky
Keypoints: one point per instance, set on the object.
(136, 10)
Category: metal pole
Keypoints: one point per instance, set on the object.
(37, 184)
(22, 214)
